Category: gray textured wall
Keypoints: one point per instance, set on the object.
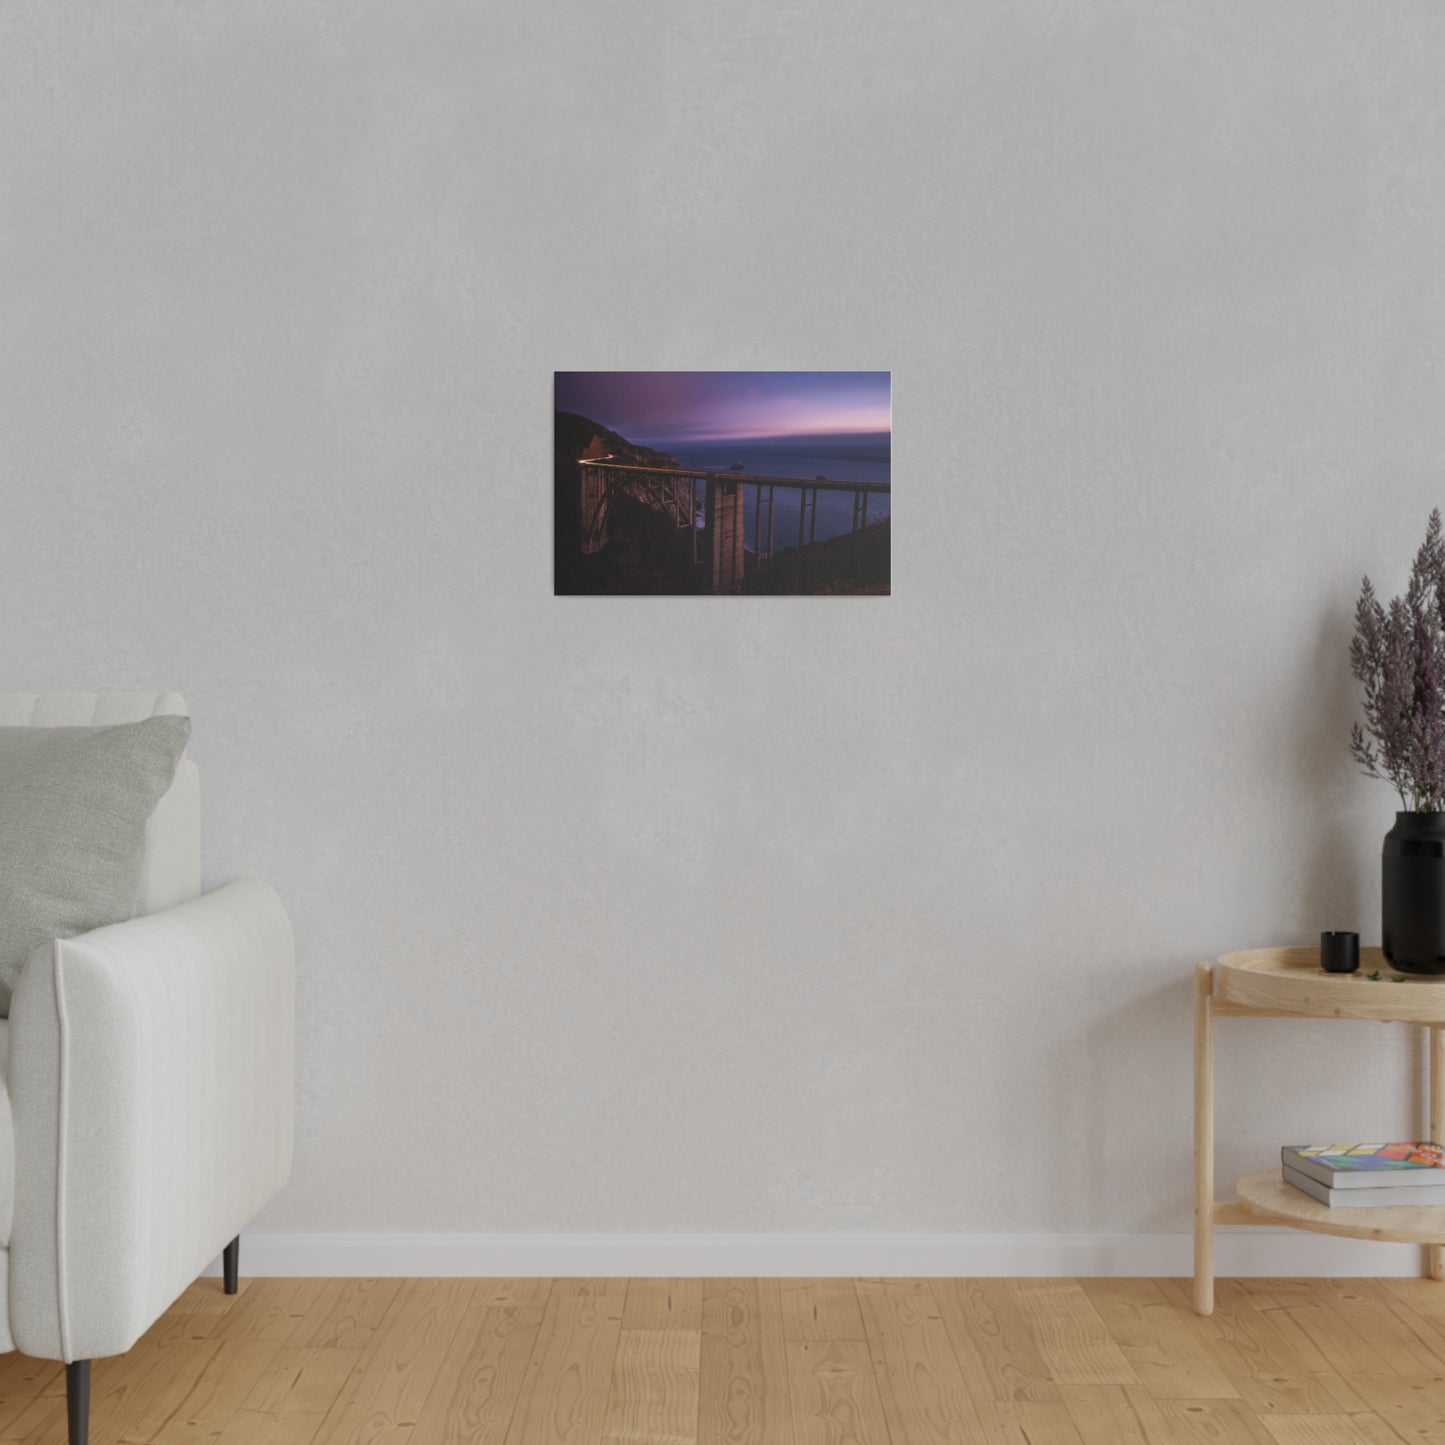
(647, 914)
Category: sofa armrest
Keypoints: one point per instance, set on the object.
(151, 1081)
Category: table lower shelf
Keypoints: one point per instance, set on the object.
(1268, 1197)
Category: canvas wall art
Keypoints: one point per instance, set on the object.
(723, 483)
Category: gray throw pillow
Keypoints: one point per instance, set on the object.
(74, 803)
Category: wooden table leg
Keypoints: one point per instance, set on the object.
(1435, 1253)
(1204, 1138)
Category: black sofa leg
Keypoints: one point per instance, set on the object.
(77, 1401)
(231, 1264)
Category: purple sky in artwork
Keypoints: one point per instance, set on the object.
(651, 406)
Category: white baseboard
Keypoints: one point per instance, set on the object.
(1247, 1252)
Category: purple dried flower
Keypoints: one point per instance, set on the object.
(1398, 654)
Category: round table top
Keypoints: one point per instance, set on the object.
(1291, 981)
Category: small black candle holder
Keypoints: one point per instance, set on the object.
(1340, 952)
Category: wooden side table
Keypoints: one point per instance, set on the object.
(1267, 983)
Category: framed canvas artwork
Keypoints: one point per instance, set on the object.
(722, 483)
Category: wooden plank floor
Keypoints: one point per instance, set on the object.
(765, 1362)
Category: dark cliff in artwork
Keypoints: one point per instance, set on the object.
(577, 437)
(645, 551)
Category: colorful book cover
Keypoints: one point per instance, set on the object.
(1366, 1158)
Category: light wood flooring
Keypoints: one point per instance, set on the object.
(765, 1362)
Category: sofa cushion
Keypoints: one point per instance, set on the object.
(171, 872)
(74, 802)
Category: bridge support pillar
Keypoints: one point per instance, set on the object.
(725, 536)
(594, 508)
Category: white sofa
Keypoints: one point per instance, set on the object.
(148, 1079)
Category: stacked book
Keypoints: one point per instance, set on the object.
(1367, 1176)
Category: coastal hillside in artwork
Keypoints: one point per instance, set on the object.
(722, 483)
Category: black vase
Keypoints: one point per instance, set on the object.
(1414, 893)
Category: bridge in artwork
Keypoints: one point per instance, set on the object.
(718, 533)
